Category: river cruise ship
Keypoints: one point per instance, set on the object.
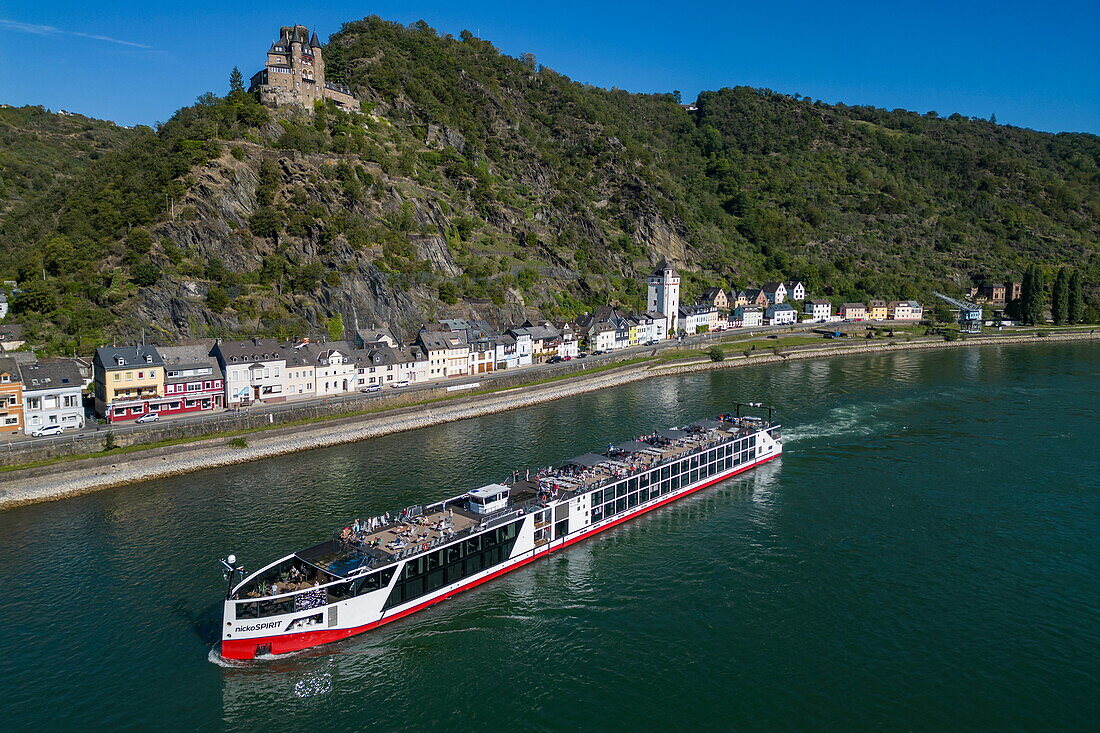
(384, 568)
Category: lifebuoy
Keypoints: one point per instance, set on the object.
(425, 546)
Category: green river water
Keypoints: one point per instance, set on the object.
(923, 557)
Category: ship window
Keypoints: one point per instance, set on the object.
(643, 480)
(632, 500)
(620, 489)
(597, 497)
(694, 476)
(434, 560)
(454, 553)
(597, 514)
(620, 505)
(666, 472)
(454, 573)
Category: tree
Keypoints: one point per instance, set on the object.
(1075, 301)
(942, 314)
(1059, 297)
(236, 83)
(265, 222)
(716, 354)
(448, 293)
(145, 273)
(37, 297)
(1033, 296)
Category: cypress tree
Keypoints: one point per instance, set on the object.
(1026, 289)
(1059, 297)
(1075, 306)
(1032, 296)
(1036, 304)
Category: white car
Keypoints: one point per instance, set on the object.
(371, 388)
(400, 384)
(151, 417)
(46, 430)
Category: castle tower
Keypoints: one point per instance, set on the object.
(663, 295)
(295, 73)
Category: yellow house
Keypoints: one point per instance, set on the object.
(126, 378)
(877, 310)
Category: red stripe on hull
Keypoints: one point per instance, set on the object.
(246, 648)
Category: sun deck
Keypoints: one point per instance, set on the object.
(592, 470)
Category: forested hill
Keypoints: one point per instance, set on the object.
(479, 183)
(39, 148)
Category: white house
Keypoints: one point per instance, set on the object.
(748, 316)
(795, 290)
(699, 319)
(905, 310)
(254, 370)
(569, 345)
(818, 310)
(505, 351)
(52, 394)
(604, 336)
(386, 365)
(334, 369)
(663, 295)
(448, 354)
(780, 314)
(775, 292)
(3, 305)
(300, 376)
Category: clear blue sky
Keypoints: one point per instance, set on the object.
(1034, 64)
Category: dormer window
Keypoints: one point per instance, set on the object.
(148, 358)
(120, 361)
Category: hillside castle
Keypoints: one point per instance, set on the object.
(295, 73)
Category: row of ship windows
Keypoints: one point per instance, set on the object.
(620, 498)
(430, 572)
(741, 448)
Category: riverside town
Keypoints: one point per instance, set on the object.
(144, 383)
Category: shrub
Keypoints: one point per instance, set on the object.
(217, 299)
(716, 354)
(237, 443)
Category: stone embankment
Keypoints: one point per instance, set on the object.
(60, 480)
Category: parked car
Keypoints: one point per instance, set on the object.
(401, 383)
(46, 430)
(582, 355)
(554, 360)
(566, 358)
(371, 388)
(652, 342)
(597, 352)
(148, 417)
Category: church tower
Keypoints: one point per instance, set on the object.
(663, 296)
